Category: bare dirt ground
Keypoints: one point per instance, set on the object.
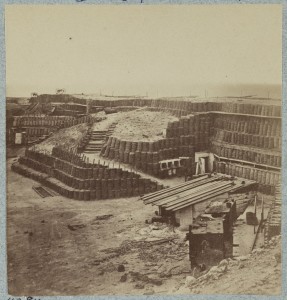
(58, 246)
(136, 125)
(68, 137)
(258, 273)
(142, 125)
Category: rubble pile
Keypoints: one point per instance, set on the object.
(157, 257)
(259, 272)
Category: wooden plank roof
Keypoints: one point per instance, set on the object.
(195, 191)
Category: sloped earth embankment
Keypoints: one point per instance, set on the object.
(258, 273)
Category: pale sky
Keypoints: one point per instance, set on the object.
(137, 49)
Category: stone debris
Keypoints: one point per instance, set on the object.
(121, 268)
(104, 217)
(74, 227)
(124, 278)
(136, 276)
(234, 266)
(189, 281)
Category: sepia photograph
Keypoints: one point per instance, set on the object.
(143, 149)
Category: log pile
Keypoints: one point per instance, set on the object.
(75, 178)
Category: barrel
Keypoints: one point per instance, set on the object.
(128, 146)
(111, 194)
(149, 157)
(121, 156)
(98, 194)
(122, 146)
(87, 195)
(126, 157)
(150, 147)
(137, 156)
(117, 143)
(81, 195)
(134, 147)
(106, 153)
(131, 158)
(145, 146)
(272, 179)
(139, 146)
(110, 184)
(113, 142)
(109, 142)
(143, 157)
(116, 183)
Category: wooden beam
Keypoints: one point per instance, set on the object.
(196, 196)
(149, 196)
(178, 191)
(186, 195)
(200, 199)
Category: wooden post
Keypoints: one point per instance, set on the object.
(255, 203)
(255, 210)
(262, 208)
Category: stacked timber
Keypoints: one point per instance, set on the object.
(195, 191)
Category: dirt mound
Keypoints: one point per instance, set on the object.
(258, 273)
(142, 125)
(68, 137)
